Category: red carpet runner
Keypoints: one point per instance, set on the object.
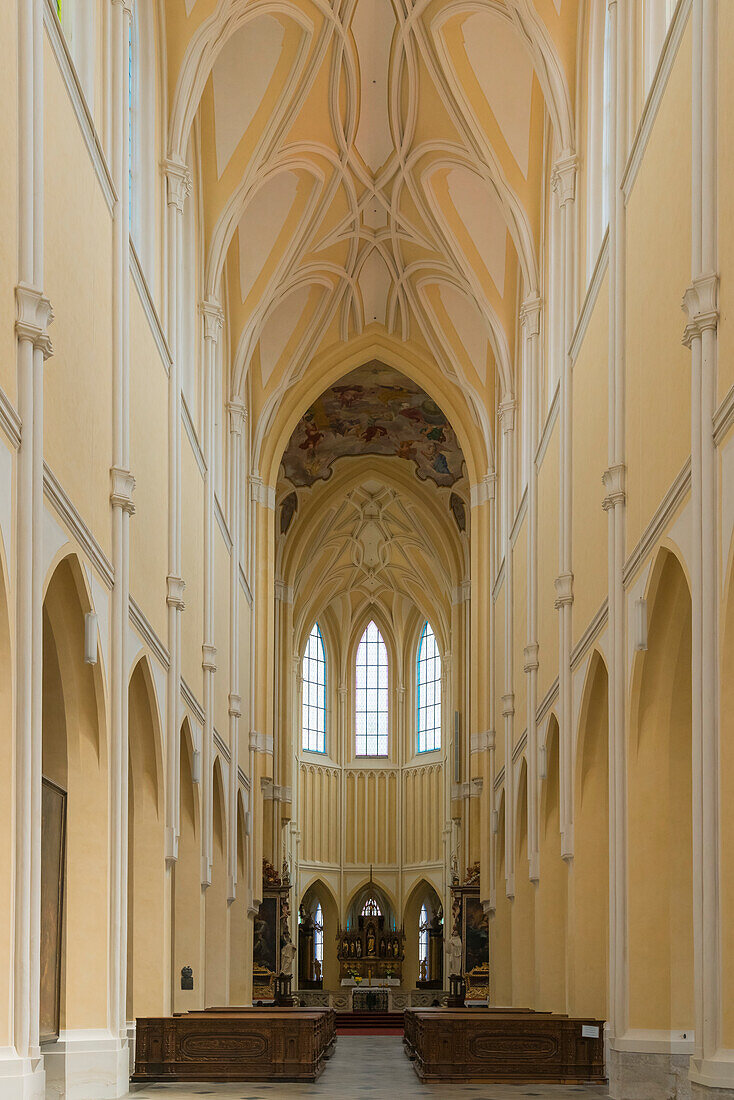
(369, 1023)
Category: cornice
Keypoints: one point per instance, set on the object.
(149, 309)
(148, 635)
(192, 702)
(10, 421)
(590, 635)
(67, 512)
(592, 294)
(660, 520)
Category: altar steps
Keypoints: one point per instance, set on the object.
(369, 1023)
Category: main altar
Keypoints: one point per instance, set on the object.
(371, 951)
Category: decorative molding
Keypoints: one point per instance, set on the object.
(519, 747)
(223, 525)
(530, 657)
(499, 779)
(78, 100)
(548, 426)
(530, 312)
(506, 414)
(461, 593)
(209, 657)
(723, 417)
(483, 491)
(237, 415)
(234, 705)
(548, 700)
(508, 704)
(188, 424)
(261, 742)
(213, 316)
(613, 480)
(178, 180)
(660, 520)
(519, 517)
(33, 315)
(260, 493)
(244, 585)
(222, 747)
(192, 702)
(471, 789)
(272, 792)
(149, 309)
(588, 637)
(284, 592)
(123, 485)
(668, 54)
(482, 742)
(701, 306)
(71, 518)
(148, 635)
(563, 585)
(563, 178)
(10, 421)
(175, 590)
(497, 587)
(244, 781)
(592, 294)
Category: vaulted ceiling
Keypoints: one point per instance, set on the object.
(371, 170)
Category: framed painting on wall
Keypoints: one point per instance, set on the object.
(53, 851)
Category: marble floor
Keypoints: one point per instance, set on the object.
(365, 1067)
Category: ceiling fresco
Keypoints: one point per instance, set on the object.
(374, 410)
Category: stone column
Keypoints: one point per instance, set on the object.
(507, 426)
(178, 180)
(237, 416)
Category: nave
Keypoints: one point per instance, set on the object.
(374, 1067)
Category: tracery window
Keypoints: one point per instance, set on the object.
(371, 907)
(318, 936)
(371, 694)
(314, 693)
(429, 691)
(423, 926)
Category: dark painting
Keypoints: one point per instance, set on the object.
(476, 935)
(265, 936)
(374, 410)
(53, 832)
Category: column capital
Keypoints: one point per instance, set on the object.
(530, 654)
(235, 705)
(33, 315)
(613, 480)
(260, 493)
(563, 585)
(563, 178)
(178, 179)
(237, 415)
(482, 742)
(484, 490)
(174, 596)
(126, 5)
(209, 657)
(506, 414)
(342, 691)
(213, 315)
(701, 306)
(530, 311)
(508, 704)
(121, 494)
(261, 742)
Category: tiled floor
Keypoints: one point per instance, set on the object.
(367, 1068)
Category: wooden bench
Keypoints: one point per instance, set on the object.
(235, 1044)
(492, 1044)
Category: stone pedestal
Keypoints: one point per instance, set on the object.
(635, 1075)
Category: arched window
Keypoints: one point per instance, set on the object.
(371, 907)
(429, 692)
(423, 926)
(314, 693)
(371, 694)
(318, 936)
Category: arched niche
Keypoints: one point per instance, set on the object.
(660, 911)
(74, 759)
(318, 893)
(422, 894)
(523, 904)
(552, 888)
(187, 901)
(216, 914)
(589, 960)
(146, 903)
(371, 891)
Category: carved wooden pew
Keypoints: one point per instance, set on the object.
(235, 1044)
(490, 1044)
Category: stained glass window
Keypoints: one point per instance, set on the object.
(318, 936)
(429, 692)
(371, 907)
(314, 693)
(423, 925)
(371, 694)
